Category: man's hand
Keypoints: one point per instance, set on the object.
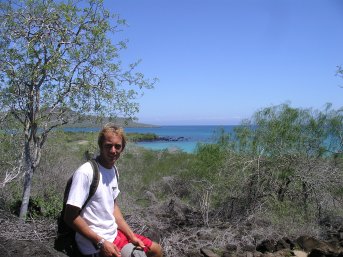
(109, 250)
(136, 241)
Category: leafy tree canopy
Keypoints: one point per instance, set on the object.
(57, 57)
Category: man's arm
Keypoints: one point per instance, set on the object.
(76, 222)
(125, 228)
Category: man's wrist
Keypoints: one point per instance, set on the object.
(100, 243)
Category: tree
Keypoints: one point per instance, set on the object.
(57, 59)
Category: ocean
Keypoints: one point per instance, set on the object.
(191, 136)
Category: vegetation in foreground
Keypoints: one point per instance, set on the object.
(284, 167)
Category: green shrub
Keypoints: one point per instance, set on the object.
(135, 137)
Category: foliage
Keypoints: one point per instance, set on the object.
(61, 62)
(290, 156)
(46, 206)
(56, 59)
(144, 170)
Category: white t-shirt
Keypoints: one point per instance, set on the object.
(98, 213)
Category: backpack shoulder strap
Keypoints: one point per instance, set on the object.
(66, 190)
(117, 173)
(95, 180)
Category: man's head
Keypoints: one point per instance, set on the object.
(111, 128)
(112, 142)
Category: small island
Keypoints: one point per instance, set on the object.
(150, 137)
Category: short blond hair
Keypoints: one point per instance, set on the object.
(110, 127)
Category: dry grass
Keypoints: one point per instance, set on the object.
(221, 212)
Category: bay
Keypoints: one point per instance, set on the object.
(188, 136)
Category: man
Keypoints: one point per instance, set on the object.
(101, 229)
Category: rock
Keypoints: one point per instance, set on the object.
(333, 229)
(284, 243)
(249, 254)
(204, 235)
(248, 248)
(179, 212)
(231, 247)
(150, 197)
(267, 254)
(281, 253)
(334, 222)
(208, 253)
(299, 253)
(322, 253)
(257, 254)
(177, 209)
(154, 233)
(308, 244)
(266, 246)
(193, 253)
(16, 248)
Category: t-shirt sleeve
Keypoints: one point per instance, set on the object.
(81, 182)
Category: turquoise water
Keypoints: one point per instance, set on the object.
(192, 136)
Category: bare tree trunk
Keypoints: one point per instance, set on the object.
(27, 181)
(32, 158)
(26, 193)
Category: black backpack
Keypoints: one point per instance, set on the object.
(65, 240)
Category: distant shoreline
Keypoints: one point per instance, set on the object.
(91, 126)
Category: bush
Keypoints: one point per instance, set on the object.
(290, 156)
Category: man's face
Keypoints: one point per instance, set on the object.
(110, 149)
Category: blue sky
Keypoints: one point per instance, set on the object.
(219, 61)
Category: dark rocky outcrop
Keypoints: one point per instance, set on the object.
(208, 253)
(23, 248)
(172, 139)
(166, 139)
